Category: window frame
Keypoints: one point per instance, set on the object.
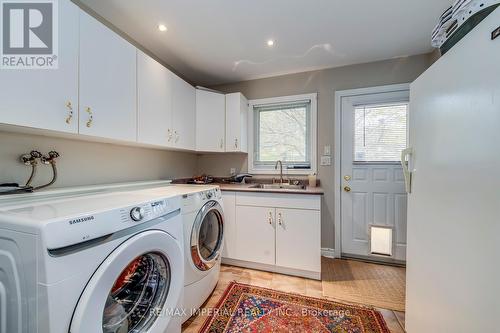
(312, 137)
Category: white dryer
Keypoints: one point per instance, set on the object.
(110, 263)
(203, 218)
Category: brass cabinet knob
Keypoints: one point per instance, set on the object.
(347, 189)
(91, 116)
(279, 219)
(69, 106)
(270, 218)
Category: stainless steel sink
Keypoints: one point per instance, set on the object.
(280, 186)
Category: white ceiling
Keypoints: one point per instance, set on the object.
(219, 41)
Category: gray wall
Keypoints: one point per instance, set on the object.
(87, 163)
(325, 83)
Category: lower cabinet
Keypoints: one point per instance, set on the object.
(228, 205)
(255, 234)
(275, 232)
(298, 239)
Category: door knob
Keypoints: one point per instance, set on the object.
(347, 189)
(347, 178)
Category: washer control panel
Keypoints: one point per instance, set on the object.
(76, 229)
(213, 194)
(137, 213)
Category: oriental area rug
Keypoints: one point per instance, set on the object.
(246, 308)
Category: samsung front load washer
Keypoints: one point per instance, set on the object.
(203, 222)
(110, 263)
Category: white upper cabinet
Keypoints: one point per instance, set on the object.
(210, 121)
(236, 123)
(46, 98)
(108, 93)
(154, 100)
(184, 114)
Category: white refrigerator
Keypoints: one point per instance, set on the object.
(453, 258)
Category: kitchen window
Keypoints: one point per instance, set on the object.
(283, 128)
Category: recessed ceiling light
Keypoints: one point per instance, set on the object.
(270, 43)
(162, 27)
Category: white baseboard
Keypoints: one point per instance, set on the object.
(273, 268)
(327, 252)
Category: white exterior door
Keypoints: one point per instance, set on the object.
(374, 131)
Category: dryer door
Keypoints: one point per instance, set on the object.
(134, 289)
(207, 236)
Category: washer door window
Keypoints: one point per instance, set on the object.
(141, 288)
(207, 235)
(134, 288)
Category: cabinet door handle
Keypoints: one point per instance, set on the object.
(91, 116)
(270, 218)
(176, 136)
(236, 143)
(221, 143)
(169, 135)
(280, 222)
(69, 106)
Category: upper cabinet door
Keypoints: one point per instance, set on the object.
(184, 119)
(154, 93)
(210, 121)
(236, 123)
(108, 93)
(46, 98)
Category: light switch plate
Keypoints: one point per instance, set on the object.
(327, 151)
(326, 160)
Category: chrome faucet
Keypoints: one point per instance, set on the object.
(281, 170)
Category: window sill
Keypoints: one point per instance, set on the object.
(286, 172)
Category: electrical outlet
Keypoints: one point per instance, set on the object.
(232, 171)
(326, 160)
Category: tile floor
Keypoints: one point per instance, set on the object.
(313, 288)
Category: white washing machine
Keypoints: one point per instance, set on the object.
(110, 263)
(203, 220)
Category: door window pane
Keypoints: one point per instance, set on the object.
(380, 132)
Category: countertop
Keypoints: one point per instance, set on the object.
(251, 188)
